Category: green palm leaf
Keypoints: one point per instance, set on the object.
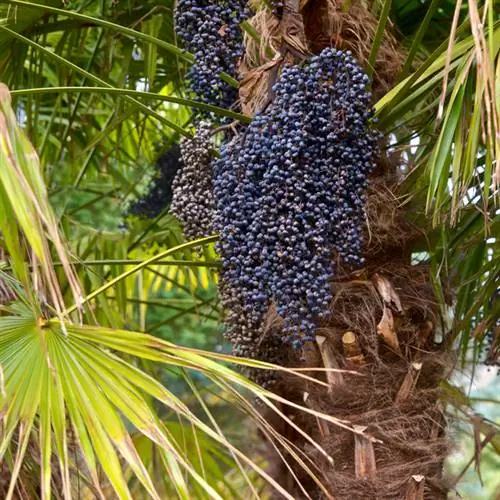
(59, 376)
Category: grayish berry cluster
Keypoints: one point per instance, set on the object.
(211, 31)
(289, 198)
(192, 201)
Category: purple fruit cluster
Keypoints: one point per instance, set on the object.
(211, 31)
(289, 197)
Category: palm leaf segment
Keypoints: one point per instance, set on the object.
(74, 377)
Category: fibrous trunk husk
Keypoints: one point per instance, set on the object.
(384, 318)
(393, 396)
(326, 23)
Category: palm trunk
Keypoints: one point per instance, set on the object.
(384, 320)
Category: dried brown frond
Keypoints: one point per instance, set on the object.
(258, 52)
(277, 41)
(7, 293)
(255, 87)
(261, 56)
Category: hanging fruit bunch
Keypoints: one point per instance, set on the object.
(211, 31)
(290, 196)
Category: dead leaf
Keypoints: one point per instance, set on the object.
(254, 86)
(387, 293)
(386, 329)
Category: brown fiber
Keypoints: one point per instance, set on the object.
(397, 403)
(411, 428)
(325, 24)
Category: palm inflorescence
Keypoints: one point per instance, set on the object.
(290, 193)
(192, 201)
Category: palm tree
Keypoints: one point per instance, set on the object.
(98, 88)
